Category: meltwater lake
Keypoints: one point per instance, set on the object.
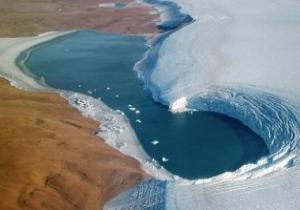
(191, 144)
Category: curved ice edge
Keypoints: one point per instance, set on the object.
(279, 126)
(271, 116)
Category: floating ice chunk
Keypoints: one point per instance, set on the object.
(107, 88)
(79, 86)
(164, 159)
(117, 96)
(137, 111)
(155, 142)
(138, 121)
(129, 105)
(132, 109)
(90, 92)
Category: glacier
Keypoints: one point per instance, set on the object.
(239, 58)
(235, 58)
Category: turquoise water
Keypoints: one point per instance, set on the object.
(192, 145)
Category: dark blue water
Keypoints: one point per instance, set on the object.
(196, 144)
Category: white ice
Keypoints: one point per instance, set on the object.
(164, 159)
(155, 142)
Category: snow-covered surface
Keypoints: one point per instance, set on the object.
(276, 191)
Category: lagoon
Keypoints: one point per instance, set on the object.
(190, 144)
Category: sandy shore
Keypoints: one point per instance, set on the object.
(50, 157)
(27, 17)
